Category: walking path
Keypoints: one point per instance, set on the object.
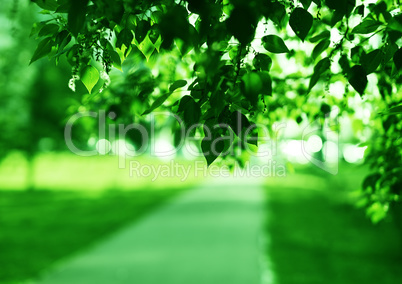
(208, 235)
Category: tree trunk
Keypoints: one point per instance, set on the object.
(30, 174)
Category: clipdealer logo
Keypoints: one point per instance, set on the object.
(146, 136)
(267, 137)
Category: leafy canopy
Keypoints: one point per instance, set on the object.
(232, 59)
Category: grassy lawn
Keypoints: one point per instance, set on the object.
(76, 201)
(318, 236)
(66, 171)
(39, 227)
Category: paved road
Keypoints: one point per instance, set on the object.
(206, 236)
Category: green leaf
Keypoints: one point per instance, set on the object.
(251, 135)
(252, 86)
(379, 8)
(344, 63)
(398, 59)
(238, 122)
(62, 39)
(146, 47)
(377, 212)
(320, 48)
(395, 23)
(183, 46)
(395, 110)
(358, 78)
(262, 62)
(192, 112)
(274, 44)
(183, 102)
(325, 109)
(372, 60)
(36, 27)
(156, 16)
(242, 23)
(176, 85)
(277, 14)
(324, 35)
(212, 147)
(322, 66)
(196, 93)
(266, 83)
(154, 33)
(336, 17)
(71, 54)
(77, 15)
(233, 52)
(141, 30)
(64, 7)
(89, 77)
(124, 37)
(301, 22)
(389, 51)
(43, 49)
(343, 7)
(49, 29)
(367, 26)
(116, 60)
(371, 181)
(306, 3)
(356, 53)
(50, 5)
(360, 10)
(157, 103)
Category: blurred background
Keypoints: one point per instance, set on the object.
(55, 204)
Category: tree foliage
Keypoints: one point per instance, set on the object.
(231, 58)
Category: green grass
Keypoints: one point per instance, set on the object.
(66, 171)
(318, 236)
(74, 203)
(40, 227)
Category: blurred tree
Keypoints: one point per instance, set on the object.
(32, 102)
(243, 62)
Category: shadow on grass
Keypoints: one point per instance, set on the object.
(39, 227)
(318, 236)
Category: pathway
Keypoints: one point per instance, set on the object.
(208, 235)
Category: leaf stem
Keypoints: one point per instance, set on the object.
(238, 64)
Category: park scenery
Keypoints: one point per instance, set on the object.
(200, 141)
